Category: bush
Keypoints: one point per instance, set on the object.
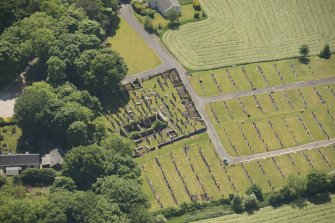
(160, 219)
(136, 6)
(134, 135)
(317, 182)
(148, 25)
(256, 190)
(237, 203)
(196, 5)
(325, 53)
(251, 203)
(196, 15)
(332, 181)
(63, 183)
(2, 180)
(159, 125)
(38, 177)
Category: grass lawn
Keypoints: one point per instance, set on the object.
(136, 53)
(10, 134)
(239, 32)
(308, 213)
(205, 85)
(187, 14)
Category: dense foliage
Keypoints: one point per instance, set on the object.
(63, 114)
(38, 177)
(60, 42)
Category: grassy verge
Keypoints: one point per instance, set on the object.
(136, 53)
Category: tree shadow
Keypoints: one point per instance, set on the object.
(304, 60)
(320, 199)
(118, 99)
(114, 25)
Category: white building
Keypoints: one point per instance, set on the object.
(165, 6)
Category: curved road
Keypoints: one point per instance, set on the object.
(169, 62)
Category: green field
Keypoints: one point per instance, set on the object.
(310, 213)
(136, 53)
(243, 31)
(260, 75)
(202, 175)
(10, 136)
(160, 98)
(266, 122)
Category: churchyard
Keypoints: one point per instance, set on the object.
(260, 75)
(265, 122)
(190, 170)
(158, 112)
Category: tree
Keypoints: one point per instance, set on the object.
(256, 190)
(317, 182)
(251, 203)
(119, 144)
(173, 16)
(297, 183)
(304, 50)
(38, 177)
(325, 53)
(126, 193)
(123, 166)
(237, 203)
(56, 71)
(85, 164)
(160, 219)
(77, 134)
(63, 183)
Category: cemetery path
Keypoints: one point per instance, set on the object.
(127, 13)
(285, 87)
(283, 151)
(169, 62)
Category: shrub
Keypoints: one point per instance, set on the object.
(1, 137)
(251, 203)
(237, 203)
(159, 125)
(148, 25)
(297, 183)
(63, 183)
(332, 181)
(196, 15)
(256, 190)
(136, 6)
(196, 5)
(2, 180)
(134, 135)
(38, 177)
(325, 53)
(160, 219)
(317, 182)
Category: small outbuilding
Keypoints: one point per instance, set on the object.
(165, 6)
(54, 159)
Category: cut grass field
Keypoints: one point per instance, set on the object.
(309, 213)
(279, 120)
(192, 165)
(221, 81)
(242, 31)
(136, 53)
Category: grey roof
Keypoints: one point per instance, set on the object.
(166, 4)
(54, 157)
(19, 160)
